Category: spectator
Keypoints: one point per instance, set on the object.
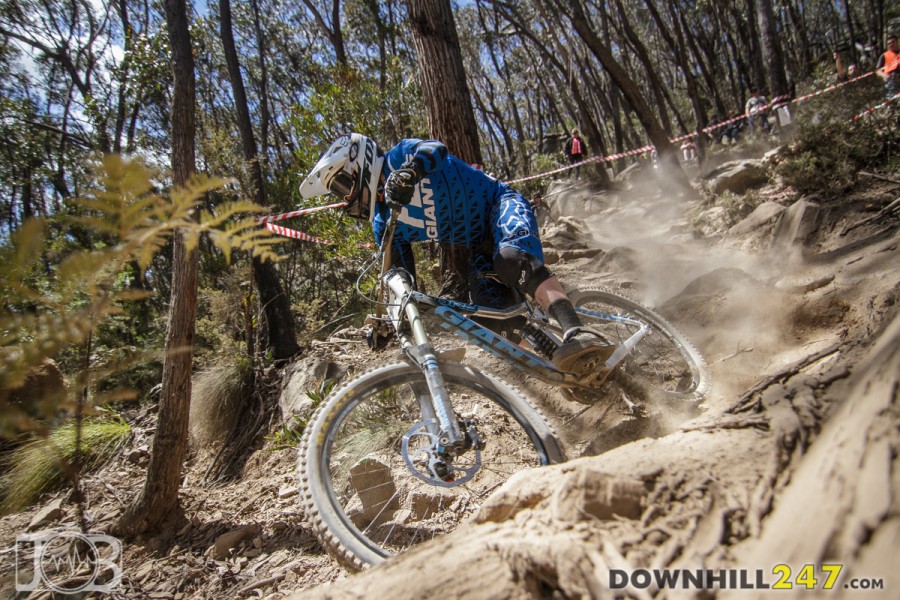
(721, 130)
(839, 68)
(689, 150)
(843, 74)
(729, 132)
(713, 129)
(575, 150)
(737, 125)
(540, 209)
(757, 117)
(888, 67)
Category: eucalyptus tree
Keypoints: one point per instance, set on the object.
(328, 19)
(92, 72)
(540, 29)
(24, 143)
(276, 305)
(629, 34)
(676, 41)
(451, 117)
(667, 153)
(772, 52)
(159, 497)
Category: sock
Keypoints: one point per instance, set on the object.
(564, 314)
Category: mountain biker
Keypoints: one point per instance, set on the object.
(444, 199)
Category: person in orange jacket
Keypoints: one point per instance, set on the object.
(888, 67)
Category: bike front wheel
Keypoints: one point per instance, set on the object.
(664, 363)
(365, 481)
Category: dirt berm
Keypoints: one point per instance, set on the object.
(793, 458)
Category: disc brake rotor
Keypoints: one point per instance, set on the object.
(420, 449)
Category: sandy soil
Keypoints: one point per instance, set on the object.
(791, 460)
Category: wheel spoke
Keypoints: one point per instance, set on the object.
(388, 505)
(663, 362)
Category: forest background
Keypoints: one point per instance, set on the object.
(94, 249)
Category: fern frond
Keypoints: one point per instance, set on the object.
(28, 339)
(191, 240)
(131, 295)
(246, 235)
(134, 223)
(229, 211)
(196, 188)
(18, 259)
(27, 242)
(82, 270)
(150, 248)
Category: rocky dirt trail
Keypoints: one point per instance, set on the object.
(792, 459)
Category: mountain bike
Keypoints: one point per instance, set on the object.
(407, 451)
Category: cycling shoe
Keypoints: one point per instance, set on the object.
(583, 353)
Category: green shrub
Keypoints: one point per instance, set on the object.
(833, 145)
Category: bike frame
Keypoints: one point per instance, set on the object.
(403, 304)
(455, 318)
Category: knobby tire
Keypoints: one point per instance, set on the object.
(356, 434)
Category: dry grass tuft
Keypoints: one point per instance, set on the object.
(216, 396)
(39, 465)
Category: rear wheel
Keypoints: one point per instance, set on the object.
(664, 363)
(371, 480)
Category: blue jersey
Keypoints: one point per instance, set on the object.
(456, 203)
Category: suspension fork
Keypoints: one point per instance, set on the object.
(418, 346)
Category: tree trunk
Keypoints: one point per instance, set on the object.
(159, 498)
(751, 41)
(676, 45)
(264, 116)
(451, 117)
(586, 121)
(647, 63)
(281, 338)
(333, 33)
(774, 57)
(668, 154)
(580, 111)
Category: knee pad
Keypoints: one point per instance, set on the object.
(520, 270)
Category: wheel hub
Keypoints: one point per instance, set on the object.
(430, 461)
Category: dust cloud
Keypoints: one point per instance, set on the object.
(720, 295)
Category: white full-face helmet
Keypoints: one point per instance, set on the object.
(351, 170)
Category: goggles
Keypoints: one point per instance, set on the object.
(343, 185)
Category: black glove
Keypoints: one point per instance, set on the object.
(399, 188)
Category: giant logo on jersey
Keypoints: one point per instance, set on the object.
(427, 199)
(422, 203)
